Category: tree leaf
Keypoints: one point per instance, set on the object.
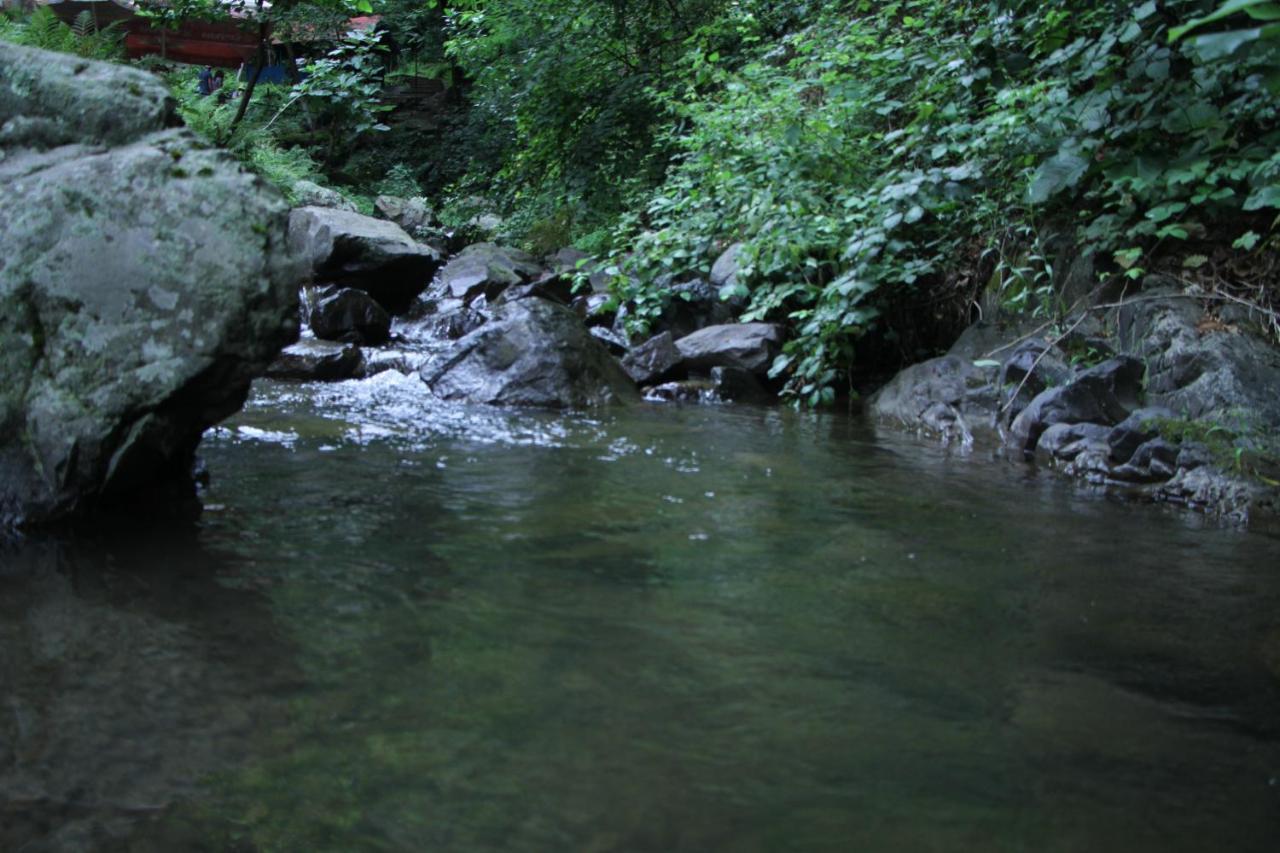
(1061, 171)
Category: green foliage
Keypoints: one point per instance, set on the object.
(869, 158)
(44, 30)
(1235, 444)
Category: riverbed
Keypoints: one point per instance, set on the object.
(408, 625)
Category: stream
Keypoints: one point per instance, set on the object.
(407, 625)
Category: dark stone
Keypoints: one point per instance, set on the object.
(487, 269)
(351, 250)
(144, 283)
(695, 305)
(1067, 440)
(1141, 426)
(739, 386)
(653, 361)
(531, 353)
(947, 396)
(312, 360)
(616, 345)
(557, 288)
(751, 346)
(351, 316)
(1159, 455)
(1103, 394)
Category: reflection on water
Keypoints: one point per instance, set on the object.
(409, 626)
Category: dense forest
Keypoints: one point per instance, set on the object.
(892, 170)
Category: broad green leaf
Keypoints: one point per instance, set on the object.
(1268, 196)
(1061, 171)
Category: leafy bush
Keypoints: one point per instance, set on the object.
(895, 154)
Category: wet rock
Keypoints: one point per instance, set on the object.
(1034, 365)
(531, 353)
(595, 309)
(455, 324)
(1193, 454)
(739, 386)
(381, 360)
(654, 360)
(751, 346)
(557, 288)
(351, 316)
(123, 337)
(1103, 394)
(487, 269)
(311, 194)
(1157, 455)
(684, 391)
(311, 360)
(1141, 426)
(351, 250)
(1067, 441)
(615, 344)
(1213, 491)
(947, 396)
(414, 215)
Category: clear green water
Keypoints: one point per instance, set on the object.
(401, 626)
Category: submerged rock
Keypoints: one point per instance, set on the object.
(145, 280)
(352, 250)
(531, 353)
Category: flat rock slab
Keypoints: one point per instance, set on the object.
(751, 346)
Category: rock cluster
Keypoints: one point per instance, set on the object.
(1124, 401)
(497, 326)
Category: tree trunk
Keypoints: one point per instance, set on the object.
(258, 62)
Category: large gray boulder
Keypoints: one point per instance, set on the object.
(144, 282)
(531, 353)
(751, 346)
(352, 250)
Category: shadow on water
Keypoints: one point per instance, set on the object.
(129, 672)
(412, 628)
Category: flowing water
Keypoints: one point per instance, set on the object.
(402, 625)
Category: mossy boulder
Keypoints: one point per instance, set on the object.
(144, 282)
